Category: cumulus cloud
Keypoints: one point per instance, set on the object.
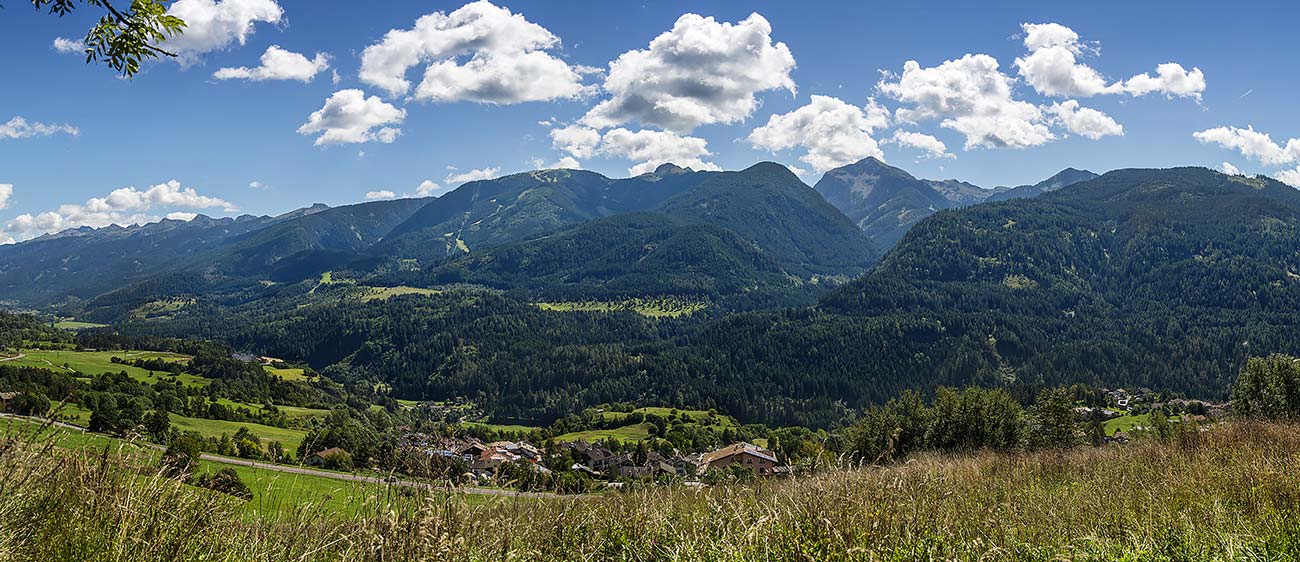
(257, 185)
(1051, 66)
(20, 128)
(65, 45)
(473, 175)
(1231, 170)
(1252, 144)
(430, 188)
(969, 95)
(214, 25)
(567, 163)
(1053, 69)
(831, 131)
(699, 72)
(479, 52)
(933, 147)
(576, 140)
(1289, 177)
(6, 193)
(1171, 79)
(348, 116)
(123, 206)
(650, 149)
(278, 64)
(1085, 122)
(380, 194)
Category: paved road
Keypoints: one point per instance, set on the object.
(43, 420)
(325, 473)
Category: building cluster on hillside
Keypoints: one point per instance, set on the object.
(595, 459)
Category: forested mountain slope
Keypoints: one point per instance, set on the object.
(85, 262)
(747, 237)
(1165, 278)
(486, 213)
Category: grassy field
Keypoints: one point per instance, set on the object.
(698, 416)
(74, 325)
(635, 432)
(276, 494)
(652, 307)
(385, 293)
(94, 363)
(74, 414)
(508, 428)
(161, 309)
(214, 428)
(1225, 494)
(1126, 423)
(288, 374)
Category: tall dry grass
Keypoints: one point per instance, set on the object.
(1232, 493)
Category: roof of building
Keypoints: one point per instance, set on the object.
(739, 448)
(329, 451)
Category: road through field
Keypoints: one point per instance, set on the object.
(325, 473)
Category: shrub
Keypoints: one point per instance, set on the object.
(337, 460)
(182, 454)
(226, 481)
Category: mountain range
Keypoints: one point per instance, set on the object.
(887, 201)
(802, 301)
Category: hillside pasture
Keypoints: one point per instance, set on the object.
(95, 363)
(290, 438)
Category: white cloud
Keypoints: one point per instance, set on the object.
(567, 163)
(1051, 66)
(969, 95)
(381, 194)
(278, 64)
(1289, 177)
(1252, 144)
(654, 148)
(430, 188)
(700, 72)
(257, 185)
(65, 45)
(832, 132)
(472, 175)
(1231, 170)
(348, 116)
(1171, 79)
(479, 52)
(1085, 122)
(123, 206)
(20, 128)
(213, 25)
(182, 216)
(576, 140)
(1039, 36)
(6, 192)
(933, 147)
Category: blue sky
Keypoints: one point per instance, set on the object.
(520, 70)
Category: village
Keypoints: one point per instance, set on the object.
(470, 460)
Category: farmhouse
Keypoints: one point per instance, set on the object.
(6, 399)
(319, 458)
(760, 460)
